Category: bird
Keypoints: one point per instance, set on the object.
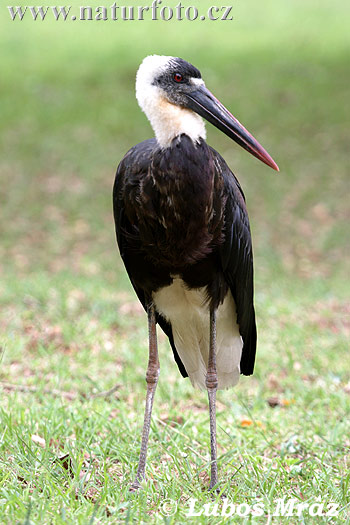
(183, 234)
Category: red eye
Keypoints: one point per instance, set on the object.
(178, 77)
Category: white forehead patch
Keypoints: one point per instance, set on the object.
(197, 81)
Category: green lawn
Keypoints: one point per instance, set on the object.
(71, 326)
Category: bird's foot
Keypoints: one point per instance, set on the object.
(214, 491)
(135, 486)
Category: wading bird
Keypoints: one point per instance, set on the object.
(183, 234)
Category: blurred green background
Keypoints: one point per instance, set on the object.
(69, 318)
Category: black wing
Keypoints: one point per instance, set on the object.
(132, 168)
(237, 261)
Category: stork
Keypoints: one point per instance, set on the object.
(183, 233)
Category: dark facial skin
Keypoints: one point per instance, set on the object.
(176, 81)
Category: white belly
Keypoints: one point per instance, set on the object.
(188, 313)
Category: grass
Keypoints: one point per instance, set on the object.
(69, 320)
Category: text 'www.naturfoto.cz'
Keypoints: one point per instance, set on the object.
(153, 12)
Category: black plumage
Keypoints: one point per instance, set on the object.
(181, 211)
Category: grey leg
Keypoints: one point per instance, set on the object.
(152, 375)
(212, 384)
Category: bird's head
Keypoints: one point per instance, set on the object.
(174, 97)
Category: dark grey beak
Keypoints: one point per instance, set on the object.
(203, 102)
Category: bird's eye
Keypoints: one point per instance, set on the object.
(178, 77)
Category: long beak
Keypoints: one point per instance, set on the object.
(203, 102)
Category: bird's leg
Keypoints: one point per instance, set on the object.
(212, 384)
(152, 375)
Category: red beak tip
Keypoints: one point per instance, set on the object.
(272, 163)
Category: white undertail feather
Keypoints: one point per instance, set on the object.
(188, 313)
(167, 120)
